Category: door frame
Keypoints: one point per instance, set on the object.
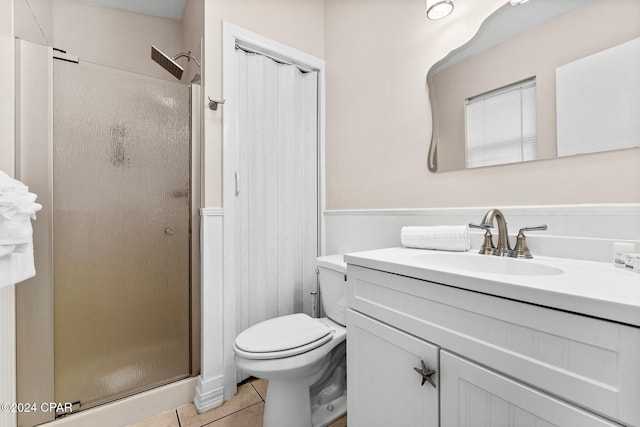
(233, 35)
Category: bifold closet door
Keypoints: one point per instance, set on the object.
(121, 194)
(277, 187)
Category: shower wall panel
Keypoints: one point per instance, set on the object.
(121, 196)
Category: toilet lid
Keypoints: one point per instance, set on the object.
(282, 337)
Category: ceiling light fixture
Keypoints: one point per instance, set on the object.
(517, 2)
(438, 9)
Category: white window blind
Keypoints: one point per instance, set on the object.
(501, 125)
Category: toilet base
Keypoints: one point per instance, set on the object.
(321, 416)
(297, 404)
(292, 407)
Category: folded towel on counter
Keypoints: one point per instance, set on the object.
(17, 209)
(439, 237)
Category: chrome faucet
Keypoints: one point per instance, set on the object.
(504, 247)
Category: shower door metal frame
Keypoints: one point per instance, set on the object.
(34, 164)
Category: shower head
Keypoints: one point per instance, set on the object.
(167, 62)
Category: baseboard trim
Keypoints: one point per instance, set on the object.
(209, 394)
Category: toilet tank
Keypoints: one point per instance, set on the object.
(332, 278)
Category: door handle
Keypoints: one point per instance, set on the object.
(425, 372)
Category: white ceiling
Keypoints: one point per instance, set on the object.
(163, 8)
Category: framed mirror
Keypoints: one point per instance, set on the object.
(539, 80)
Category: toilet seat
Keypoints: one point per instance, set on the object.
(281, 337)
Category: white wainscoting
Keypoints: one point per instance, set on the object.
(217, 380)
(575, 231)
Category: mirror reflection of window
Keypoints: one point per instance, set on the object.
(501, 125)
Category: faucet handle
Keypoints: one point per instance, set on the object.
(542, 227)
(522, 249)
(487, 247)
(481, 226)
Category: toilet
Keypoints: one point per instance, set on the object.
(304, 359)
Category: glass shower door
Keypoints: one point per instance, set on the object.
(121, 233)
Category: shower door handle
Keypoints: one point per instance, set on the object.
(237, 184)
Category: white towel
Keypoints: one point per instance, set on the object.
(439, 237)
(17, 265)
(17, 208)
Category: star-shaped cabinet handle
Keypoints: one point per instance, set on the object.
(426, 373)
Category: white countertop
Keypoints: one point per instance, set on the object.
(586, 287)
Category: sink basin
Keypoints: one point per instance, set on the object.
(485, 264)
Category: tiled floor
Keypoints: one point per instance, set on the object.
(243, 410)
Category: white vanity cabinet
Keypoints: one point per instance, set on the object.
(499, 362)
(381, 364)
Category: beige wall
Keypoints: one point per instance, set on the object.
(509, 62)
(34, 21)
(7, 89)
(110, 36)
(113, 37)
(295, 23)
(192, 33)
(379, 124)
(104, 36)
(378, 114)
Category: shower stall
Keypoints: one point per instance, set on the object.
(111, 305)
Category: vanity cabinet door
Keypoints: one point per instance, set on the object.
(475, 396)
(384, 389)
